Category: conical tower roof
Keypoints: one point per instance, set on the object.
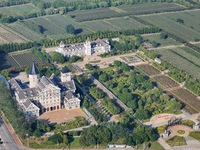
(33, 70)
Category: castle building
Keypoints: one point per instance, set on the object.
(44, 94)
(87, 48)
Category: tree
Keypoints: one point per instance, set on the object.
(141, 114)
(117, 63)
(70, 29)
(58, 57)
(89, 66)
(180, 20)
(65, 140)
(163, 35)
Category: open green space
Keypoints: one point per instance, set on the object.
(149, 8)
(187, 30)
(195, 135)
(183, 59)
(161, 42)
(19, 10)
(150, 146)
(176, 141)
(161, 129)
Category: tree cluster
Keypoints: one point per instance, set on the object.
(137, 91)
(9, 107)
(108, 103)
(92, 108)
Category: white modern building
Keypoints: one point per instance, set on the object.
(82, 49)
(45, 94)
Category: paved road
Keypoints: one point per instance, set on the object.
(8, 143)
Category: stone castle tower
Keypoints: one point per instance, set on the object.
(34, 76)
(65, 74)
(88, 48)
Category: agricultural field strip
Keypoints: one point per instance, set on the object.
(180, 62)
(166, 81)
(149, 70)
(167, 12)
(26, 32)
(188, 98)
(14, 60)
(18, 10)
(14, 32)
(10, 35)
(150, 8)
(179, 29)
(176, 94)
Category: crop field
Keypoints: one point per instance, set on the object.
(54, 24)
(19, 10)
(28, 33)
(18, 59)
(121, 23)
(101, 25)
(126, 23)
(149, 8)
(165, 81)
(162, 42)
(188, 98)
(148, 69)
(189, 30)
(94, 14)
(183, 58)
(8, 36)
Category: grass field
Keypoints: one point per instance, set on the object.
(177, 141)
(54, 24)
(189, 30)
(195, 135)
(149, 8)
(19, 10)
(162, 42)
(150, 146)
(9, 36)
(183, 58)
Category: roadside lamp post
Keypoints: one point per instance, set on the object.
(27, 139)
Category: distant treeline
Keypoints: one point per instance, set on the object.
(62, 6)
(76, 39)
(4, 3)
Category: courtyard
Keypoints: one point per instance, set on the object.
(62, 115)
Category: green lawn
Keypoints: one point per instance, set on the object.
(161, 129)
(177, 141)
(153, 146)
(195, 135)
